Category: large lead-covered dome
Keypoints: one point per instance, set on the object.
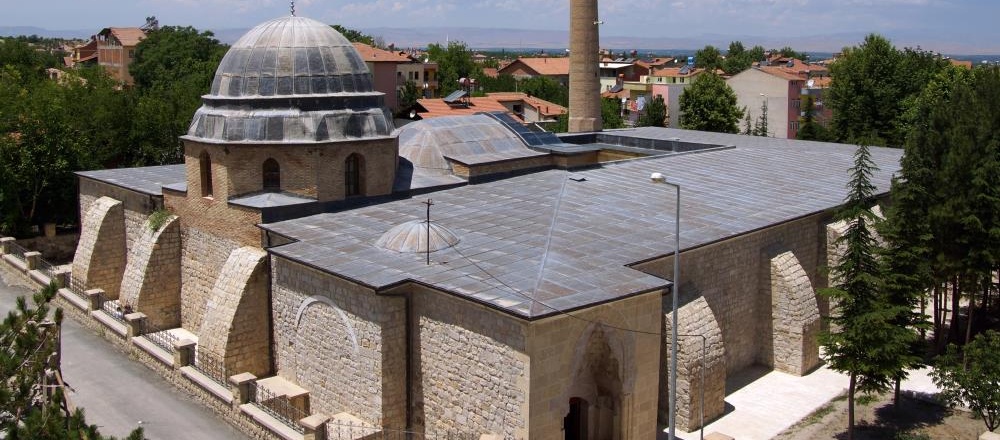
(291, 80)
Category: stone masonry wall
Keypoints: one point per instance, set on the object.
(732, 275)
(470, 372)
(694, 318)
(202, 258)
(100, 255)
(559, 347)
(137, 205)
(341, 342)
(152, 281)
(795, 316)
(235, 329)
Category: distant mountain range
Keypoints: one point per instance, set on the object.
(527, 39)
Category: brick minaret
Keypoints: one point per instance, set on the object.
(584, 82)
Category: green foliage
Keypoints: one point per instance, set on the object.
(611, 113)
(158, 218)
(709, 58)
(173, 67)
(562, 124)
(454, 62)
(809, 128)
(760, 127)
(873, 85)
(865, 340)
(739, 59)
(354, 36)
(546, 88)
(502, 83)
(710, 104)
(788, 52)
(655, 114)
(31, 408)
(972, 377)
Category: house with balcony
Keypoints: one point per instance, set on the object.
(116, 49)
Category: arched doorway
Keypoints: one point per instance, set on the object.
(594, 406)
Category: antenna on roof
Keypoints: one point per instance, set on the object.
(429, 203)
(292, 3)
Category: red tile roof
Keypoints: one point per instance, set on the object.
(126, 36)
(545, 66)
(435, 108)
(965, 64)
(375, 55)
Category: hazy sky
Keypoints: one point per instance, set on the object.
(975, 23)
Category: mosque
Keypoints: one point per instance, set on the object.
(465, 274)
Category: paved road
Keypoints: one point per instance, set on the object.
(119, 394)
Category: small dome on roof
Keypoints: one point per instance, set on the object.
(291, 80)
(412, 237)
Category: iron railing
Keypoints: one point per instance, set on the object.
(211, 367)
(47, 268)
(73, 286)
(278, 406)
(161, 338)
(17, 250)
(113, 308)
(336, 430)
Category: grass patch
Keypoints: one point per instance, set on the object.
(158, 218)
(817, 416)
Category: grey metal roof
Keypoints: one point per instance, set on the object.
(534, 244)
(147, 180)
(270, 200)
(291, 80)
(469, 139)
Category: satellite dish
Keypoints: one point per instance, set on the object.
(810, 83)
(413, 114)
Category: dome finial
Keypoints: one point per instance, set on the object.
(293, 7)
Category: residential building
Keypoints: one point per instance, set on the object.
(556, 68)
(387, 77)
(116, 50)
(780, 89)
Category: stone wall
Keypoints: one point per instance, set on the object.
(694, 356)
(795, 317)
(152, 281)
(470, 368)
(733, 276)
(235, 329)
(100, 255)
(202, 258)
(341, 342)
(625, 335)
(58, 249)
(137, 205)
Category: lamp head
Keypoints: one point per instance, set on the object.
(657, 178)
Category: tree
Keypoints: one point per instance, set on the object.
(809, 128)
(454, 62)
(408, 97)
(32, 406)
(737, 59)
(873, 85)
(708, 58)
(355, 36)
(173, 68)
(864, 341)
(760, 127)
(545, 88)
(611, 113)
(973, 377)
(655, 114)
(710, 104)
(788, 52)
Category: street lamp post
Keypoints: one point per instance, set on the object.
(675, 292)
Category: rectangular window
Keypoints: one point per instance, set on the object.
(796, 103)
(794, 125)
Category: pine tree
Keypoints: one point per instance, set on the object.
(866, 343)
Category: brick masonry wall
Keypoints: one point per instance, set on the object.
(795, 316)
(471, 368)
(734, 277)
(341, 342)
(559, 347)
(100, 255)
(152, 281)
(309, 170)
(694, 318)
(236, 323)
